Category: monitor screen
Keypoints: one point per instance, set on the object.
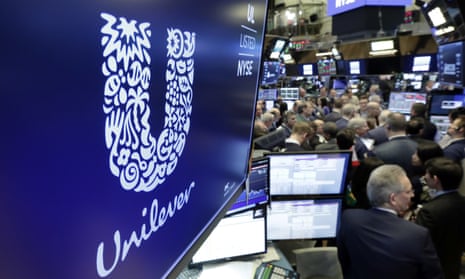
(308, 69)
(278, 47)
(339, 84)
(271, 72)
(441, 121)
(289, 93)
(308, 173)
(403, 101)
(127, 131)
(357, 67)
(267, 93)
(450, 63)
(441, 103)
(256, 190)
(446, 20)
(238, 235)
(303, 219)
(421, 63)
(327, 67)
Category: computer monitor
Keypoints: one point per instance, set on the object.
(442, 123)
(308, 173)
(450, 63)
(303, 219)
(403, 101)
(256, 190)
(271, 72)
(238, 235)
(289, 93)
(267, 94)
(421, 63)
(441, 103)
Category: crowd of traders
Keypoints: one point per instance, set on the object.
(404, 167)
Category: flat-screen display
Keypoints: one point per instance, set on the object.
(356, 67)
(441, 103)
(303, 219)
(421, 63)
(450, 63)
(308, 173)
(289, 93)
(278, 47)
(271, 72)
(238, 235)
(309, 69)
(267, 93)
(442, 123)
(327, 67)
(256, 190)
(403, 101)
(446, 19)
(127, 130)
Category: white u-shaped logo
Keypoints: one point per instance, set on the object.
(141, 161)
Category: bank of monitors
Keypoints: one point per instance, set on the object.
(237, 235)
(308, 173)
(267, 94)
(450, 63)
(303, 219)
(403, 101)
(306, 190)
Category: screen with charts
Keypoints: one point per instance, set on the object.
(308, 173)
(241, 234)
(256, 190)
(403, 101)
(303, 219)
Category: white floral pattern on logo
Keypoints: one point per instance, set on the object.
(141, 161)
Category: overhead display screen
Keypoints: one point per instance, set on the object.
(339, 6)
(115, 117)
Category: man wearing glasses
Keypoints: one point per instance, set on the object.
(378, 243)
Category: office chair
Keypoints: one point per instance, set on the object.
(318, 263)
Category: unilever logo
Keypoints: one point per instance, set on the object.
(140, 160)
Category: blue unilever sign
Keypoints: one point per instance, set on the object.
(127, 129)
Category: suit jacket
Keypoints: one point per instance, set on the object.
(444, 217)
(377, 244)
(455, 150)
(379, 134)
(398, 150)
(341, 123)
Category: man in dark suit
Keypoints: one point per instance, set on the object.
(400, 148)
(377, 243)
(444, 215)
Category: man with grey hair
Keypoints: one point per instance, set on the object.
(347, 113)
(377, 243)
(363, 145)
